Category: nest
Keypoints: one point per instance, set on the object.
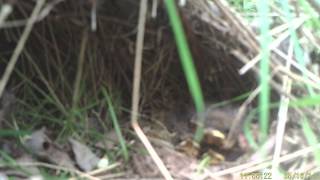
(54, 49)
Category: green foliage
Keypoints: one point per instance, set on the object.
(116, 125)
(187, 63)
(263, 11)
(311, 138)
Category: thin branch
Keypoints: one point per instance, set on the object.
(20, 45)
(5, 11)
(136, 90)
(282, 117)
(44, 13)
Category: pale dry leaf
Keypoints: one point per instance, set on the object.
(38, 142)
(41, 145)
(85, 158)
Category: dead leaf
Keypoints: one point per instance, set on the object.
(41, 145)
(85, 158)
(38, 143)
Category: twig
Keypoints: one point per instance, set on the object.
(274, 84)
(136, 89)
(239, 119)
(20, 45)
(5, 11)
(101, 170)
(112, 176)
(94, 15)
(44, 13)
(310, 36)
(282, 117)
(304, 70)
(154, 8)
(273, 45)
(235, 19)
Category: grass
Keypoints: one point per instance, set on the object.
(116, 126)
(265, 40)
(10, 162)
(311, 138)
(304, 102)
(187, 64)
(38, 108)
(247, 130)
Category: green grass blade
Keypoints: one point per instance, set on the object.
(306, 101)
(299, 54)
(247, 132)
(263, 12)
(13, 133)
(187, 62)
(230, 101)
(116, 126)
(311, 138)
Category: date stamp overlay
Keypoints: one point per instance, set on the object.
(268, 175)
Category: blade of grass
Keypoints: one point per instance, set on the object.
(311, 138)
(41, 75)
(306, 101)
(247, 132)
(187, 63)
(306, 6)
(299, 54)
(263, 11)
(205, 162)
(230, 101)
(76, 92)
(13, 133)
(116, 125)
(10, 162)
